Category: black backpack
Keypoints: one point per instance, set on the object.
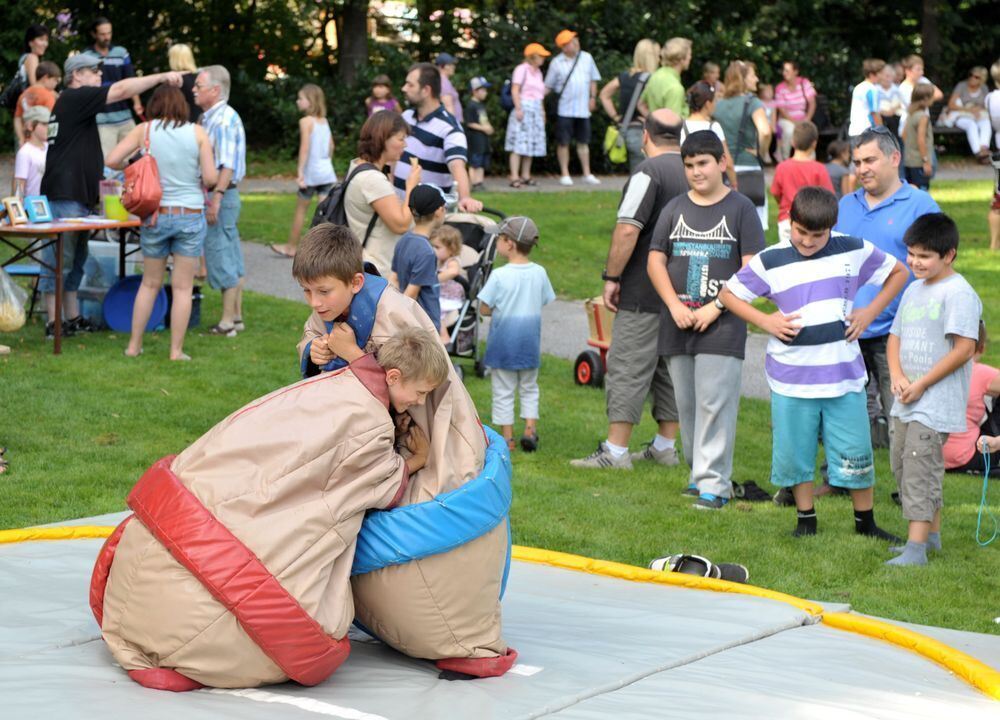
(506, 96)
(333, 209)
(12, 91)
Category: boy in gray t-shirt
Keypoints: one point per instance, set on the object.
(930, 348)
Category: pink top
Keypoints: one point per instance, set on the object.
(795, 102)
(375, 106)
(960, 447)
(531, 81)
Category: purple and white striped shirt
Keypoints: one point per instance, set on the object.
(821, 288)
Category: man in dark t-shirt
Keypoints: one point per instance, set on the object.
(634, 366)
(73, 170)
(701, 238)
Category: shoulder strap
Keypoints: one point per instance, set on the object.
(634, 100)
(569, 75)
(740, 147)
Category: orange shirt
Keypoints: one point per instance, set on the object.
(35, 95)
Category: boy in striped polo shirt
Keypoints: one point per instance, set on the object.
(814, 365)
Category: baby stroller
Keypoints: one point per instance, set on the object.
(479, 240)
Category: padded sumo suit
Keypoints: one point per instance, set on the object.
(234, 570)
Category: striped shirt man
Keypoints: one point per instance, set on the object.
(115, 66)
(819, 362)
(435, 140)
(573, 82)
(229, 139)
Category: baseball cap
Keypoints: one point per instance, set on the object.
(426, 199)
(78, 62)
(564, 37)
(535, 49)
(479, 82)
(37, 113)
(520, 229)
(445, 59)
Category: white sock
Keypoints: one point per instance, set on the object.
(662, 443)
(615, 450)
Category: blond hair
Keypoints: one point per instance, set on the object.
(180, 58)
(417, 354)
(316, 99)
(646, 56)
(450, 237)
(872, 66)
(675, 50)
(995, 73)
(735, 82)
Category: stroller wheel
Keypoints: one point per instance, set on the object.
(589, 370)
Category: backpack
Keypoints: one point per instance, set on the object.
(141, 191)
(12, 90)
(333, 209)
(506, 96)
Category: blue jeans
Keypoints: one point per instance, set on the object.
(74, 250)
(174, 235)
(223, 254)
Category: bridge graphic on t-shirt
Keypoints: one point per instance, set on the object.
(699, 247)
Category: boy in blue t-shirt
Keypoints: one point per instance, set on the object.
(930, 349)
(814, 365)
(414, 264)
(514, 296)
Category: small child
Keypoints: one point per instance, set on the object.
(316, 175)
(29, 164)
(864, 99)
(478, 130)
(43, 92)
(962, 452)
(381, 97)
(514, 296)
(797, 172)
(814, 365)
(890, 100)
(765, 91)
(447, 244)
(930, 349)
(414, 264)
(838, 167)
(918, 138)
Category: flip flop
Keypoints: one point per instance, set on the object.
(515, 183)
(529, 182)
(702, 567)
(276, 251)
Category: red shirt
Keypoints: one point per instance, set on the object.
(791, 176)
(35, 95)
(960, 447)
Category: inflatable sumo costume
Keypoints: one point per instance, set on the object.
(429, 575)
(234, 570)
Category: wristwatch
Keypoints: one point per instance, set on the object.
(719, 306)
(610, 278)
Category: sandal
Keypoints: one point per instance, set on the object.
(515, 183)
(219, 329)
(282, 253)
(529, 182)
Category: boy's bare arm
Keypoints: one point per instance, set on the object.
(412, 291)
(777, 323)
(485, 310)
(961, 352)
(859, 320)
(656, 267)
(897, 378)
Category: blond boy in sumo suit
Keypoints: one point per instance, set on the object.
(444, 607)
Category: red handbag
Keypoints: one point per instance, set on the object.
(142, 191)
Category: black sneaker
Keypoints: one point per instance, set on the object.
(690, 490)
(529, 443)
(751, 492)
(80, 324)
(50, 330)
(784, 497)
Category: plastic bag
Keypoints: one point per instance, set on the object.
(12, 299)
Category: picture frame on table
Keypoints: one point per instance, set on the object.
(15, 211)
(37, 207)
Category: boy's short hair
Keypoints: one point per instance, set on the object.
(805, 135)
(450, 237)
(935, 232)
(328, 250)
(872, 66)
(983, 338)
(416, 353)
(836, 148)
(46, 69)
(814, 208)
(702, 142)
(923, 91)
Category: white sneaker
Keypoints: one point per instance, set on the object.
(591, 180)
(566, 180)
(667, 456)
(602, 458)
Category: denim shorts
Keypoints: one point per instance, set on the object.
(74, 250)
(479, 160)
(306, 193)
(223, 254)
(174, 235)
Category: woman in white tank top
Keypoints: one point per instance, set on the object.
(184, 160)
(316, 175)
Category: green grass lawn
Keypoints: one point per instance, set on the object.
(82, 427)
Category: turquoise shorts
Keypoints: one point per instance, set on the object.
(797, 423)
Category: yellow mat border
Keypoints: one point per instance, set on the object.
(974, 672)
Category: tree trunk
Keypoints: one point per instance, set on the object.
(930, 36)
(352, 40)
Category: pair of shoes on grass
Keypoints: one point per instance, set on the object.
(751, 492)
(528, 442)
(603, 458)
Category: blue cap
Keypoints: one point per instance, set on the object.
(479, 82)
(445, 59)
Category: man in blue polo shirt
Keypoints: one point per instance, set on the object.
(880, 211)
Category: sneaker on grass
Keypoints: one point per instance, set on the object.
(667, 456)
(784, 497)
(566, 180)
(707, 501)
(603, 458)
(691, 490)
(751, 492)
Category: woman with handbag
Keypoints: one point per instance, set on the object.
(526, 123)
(744, 121)
(183, 158)
(645, 61)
